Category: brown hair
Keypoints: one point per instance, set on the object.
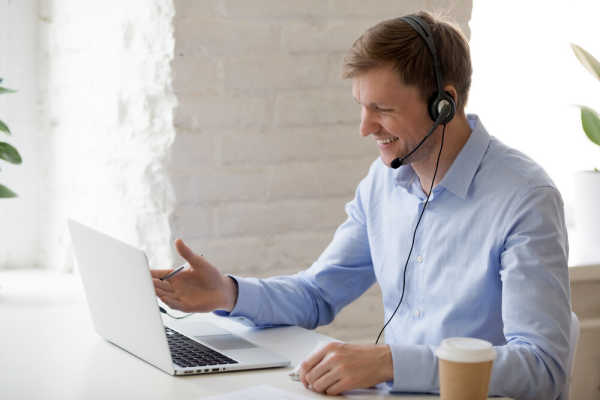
(394, 41)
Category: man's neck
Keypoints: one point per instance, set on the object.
(457, 134)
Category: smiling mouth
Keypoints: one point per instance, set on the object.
(386, 141)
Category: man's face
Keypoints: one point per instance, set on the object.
(392, 112)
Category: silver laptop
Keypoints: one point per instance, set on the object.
(125, 311)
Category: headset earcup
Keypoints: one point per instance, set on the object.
(448, 96)
(434, 106)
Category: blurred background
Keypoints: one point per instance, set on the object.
(226, 122)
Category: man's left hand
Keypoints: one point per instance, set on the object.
(339, 367)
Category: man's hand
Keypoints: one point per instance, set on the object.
(201, 288)
(339, 367)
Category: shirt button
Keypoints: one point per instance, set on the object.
(417, 313)
(420, 259)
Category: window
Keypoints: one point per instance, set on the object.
(526, 80)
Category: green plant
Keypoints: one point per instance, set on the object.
(7, 152)
(590, 121)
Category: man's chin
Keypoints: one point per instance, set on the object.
(387, 161)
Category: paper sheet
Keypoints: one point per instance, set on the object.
(261, 392)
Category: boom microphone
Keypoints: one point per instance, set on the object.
(445, 110)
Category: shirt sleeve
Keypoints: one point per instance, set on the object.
(415, 368)
(535, 309)
(313, 297)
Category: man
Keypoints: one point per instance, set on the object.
(487, 259)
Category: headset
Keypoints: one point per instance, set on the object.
(441, 107)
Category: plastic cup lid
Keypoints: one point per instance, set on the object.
(464, 349)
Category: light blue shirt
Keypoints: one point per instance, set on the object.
(489, 261)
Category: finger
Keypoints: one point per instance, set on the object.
(161, 293)
(318, 371)
(166, 295)
(337, 388)
(163, 285)
(322, 384)
(313, 359)
(159, 273)
(184, 251)
(173, 303)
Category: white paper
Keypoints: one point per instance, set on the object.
(261, 392)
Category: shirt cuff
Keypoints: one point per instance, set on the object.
(415, 369)
(246, 308)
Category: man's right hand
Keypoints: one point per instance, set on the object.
(201, 288)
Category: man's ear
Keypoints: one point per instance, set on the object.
(452, 90)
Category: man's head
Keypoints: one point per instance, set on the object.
(393, 79)
(396, 43)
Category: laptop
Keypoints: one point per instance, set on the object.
(125, 311)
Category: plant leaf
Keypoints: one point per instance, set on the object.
(9, 153)
(6, 90)
(590, 121)
(587, 60)
(6, 192)
(4, 128)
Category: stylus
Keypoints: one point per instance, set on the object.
(174, 272)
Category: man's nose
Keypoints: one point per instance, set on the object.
(368, 122)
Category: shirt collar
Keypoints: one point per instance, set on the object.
(459, 176)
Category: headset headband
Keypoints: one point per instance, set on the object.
(422, 28)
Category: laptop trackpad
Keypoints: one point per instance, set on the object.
(225, 342)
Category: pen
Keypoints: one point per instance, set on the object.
(173, 273)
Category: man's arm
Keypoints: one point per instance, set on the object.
(309, 298)
(535, 309)
(313, 297)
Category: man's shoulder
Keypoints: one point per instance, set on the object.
(510, 171)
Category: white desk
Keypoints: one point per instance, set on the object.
(49, 350)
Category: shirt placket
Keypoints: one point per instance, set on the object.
(416, 264)
(414, 296)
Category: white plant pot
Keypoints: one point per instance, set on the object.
(586, 210)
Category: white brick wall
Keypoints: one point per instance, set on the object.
(262, 151)
(267, 148)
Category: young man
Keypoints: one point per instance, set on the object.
(486, 259)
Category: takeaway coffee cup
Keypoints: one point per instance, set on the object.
(465, 367)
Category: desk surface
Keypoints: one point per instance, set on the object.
(49, 350)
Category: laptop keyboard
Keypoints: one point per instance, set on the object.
(189, 353)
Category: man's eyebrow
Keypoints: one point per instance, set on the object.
(381, 106)
(374, 105)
